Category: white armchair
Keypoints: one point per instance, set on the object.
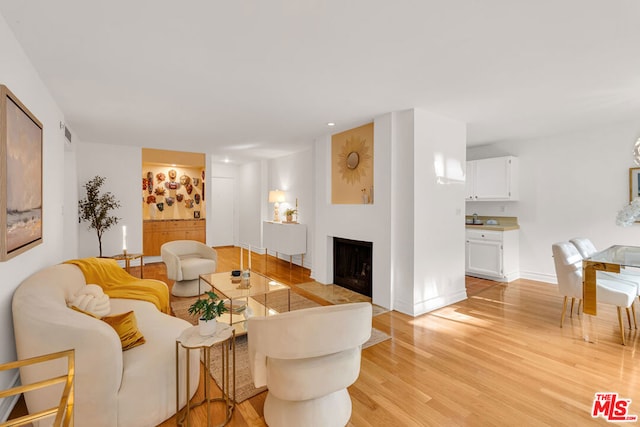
(307, 359)
(186, 260)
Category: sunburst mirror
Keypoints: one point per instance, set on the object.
(352, 174)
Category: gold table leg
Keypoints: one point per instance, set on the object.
(228, 350)
(589, 296)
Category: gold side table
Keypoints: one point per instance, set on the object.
(127, 258)
(191, 339)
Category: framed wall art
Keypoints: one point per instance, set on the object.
(20, 177)
(634, 183)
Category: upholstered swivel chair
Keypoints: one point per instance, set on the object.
(307, 359)
(186, 260)
(568, 265)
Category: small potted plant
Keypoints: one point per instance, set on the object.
(208, 309)
(289, 214)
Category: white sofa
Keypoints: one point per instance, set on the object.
(129, 388)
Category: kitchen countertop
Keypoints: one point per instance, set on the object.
(505, 223)
(506, 227)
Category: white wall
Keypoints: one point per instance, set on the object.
(402, 206)
(370, 223)
(293, 174)
(252, 192)
(70, 212)
(570, 185)
(121, 166)
(439, 194)
(223, 171)
(20, 77)
(416, 222)
(427, 190)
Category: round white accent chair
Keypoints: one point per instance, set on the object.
(307, 358)
(186, 260)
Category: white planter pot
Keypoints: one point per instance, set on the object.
(207, 327)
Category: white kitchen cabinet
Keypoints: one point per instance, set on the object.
(285, 238)
(492, 254)
(492, 179)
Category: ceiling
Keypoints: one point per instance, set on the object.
(251, 79)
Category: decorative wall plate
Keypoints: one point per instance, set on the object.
(151, 199)
(189, 188)
(160, 176)
(188, 203)
(172, 174)
(159, 191)
(184, 180)
(169, 200)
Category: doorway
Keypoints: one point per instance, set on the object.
(221, 211)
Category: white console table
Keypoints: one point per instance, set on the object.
(287, 238)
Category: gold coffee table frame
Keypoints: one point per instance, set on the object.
(259, 286)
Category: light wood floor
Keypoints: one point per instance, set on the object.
(497, 358)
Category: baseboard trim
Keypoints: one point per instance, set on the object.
(429, 305)
(538, 277)
(7, 404)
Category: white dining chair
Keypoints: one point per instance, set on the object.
(586, 248)
(568, 265)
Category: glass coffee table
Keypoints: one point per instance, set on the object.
(259, 295)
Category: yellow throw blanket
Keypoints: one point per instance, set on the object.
(117, 283)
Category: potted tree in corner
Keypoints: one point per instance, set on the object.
(95, 208)
(208, 309)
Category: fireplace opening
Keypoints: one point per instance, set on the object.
(352, 261)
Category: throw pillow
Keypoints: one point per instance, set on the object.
(126, 326)
(91, 298)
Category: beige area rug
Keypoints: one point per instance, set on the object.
(244, 383)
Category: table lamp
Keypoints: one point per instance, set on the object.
(275, 197)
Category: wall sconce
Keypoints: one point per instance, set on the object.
(276, 196)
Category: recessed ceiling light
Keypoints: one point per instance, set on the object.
(226, 160)
(331, 124)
